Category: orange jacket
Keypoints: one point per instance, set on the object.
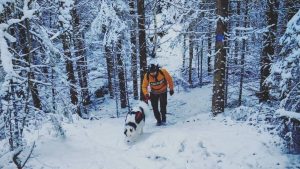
(159, 86)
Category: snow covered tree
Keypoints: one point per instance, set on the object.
(287, 9)
(65, 21)
(198, 23)
(133, 34)
(19, 89)
(121, 74)
(142, 42)
(80, 52)
(285, 72)
(191, 54)
(109, 68)
(268, 48)
(242, 62)
(285, 78)
(110, 24)
(25, 43)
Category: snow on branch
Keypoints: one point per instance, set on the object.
(5, 37)
(3, 3)
(285, 70)
(6, 56)
(109, 22)
(288, 114)
(65, 17)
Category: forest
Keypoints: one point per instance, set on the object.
(70, 65)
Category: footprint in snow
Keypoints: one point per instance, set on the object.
(157, 158)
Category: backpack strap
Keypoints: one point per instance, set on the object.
(148, 74)
(159, 70)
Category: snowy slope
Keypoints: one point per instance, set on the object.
(192, 139)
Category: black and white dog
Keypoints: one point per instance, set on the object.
(135, 121)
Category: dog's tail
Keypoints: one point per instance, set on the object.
(144, 107)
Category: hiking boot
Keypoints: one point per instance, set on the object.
(158, 124)
(164, 121)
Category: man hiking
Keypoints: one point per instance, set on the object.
(159, 80)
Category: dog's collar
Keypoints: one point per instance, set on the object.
(132, 112)
(131, 124)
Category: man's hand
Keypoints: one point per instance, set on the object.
(171, 92)
(147, 97)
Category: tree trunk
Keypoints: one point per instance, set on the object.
(70, 71)
(15, 127)
(191, 53)
(220, 59)
(210, 39)
(81, 62)
(110, 68)
(53, 90)
(209, 49)
(13, 115)
(25, 42)
(201, 63)
(121, 75)
(153, 54)
(242, 73)
(243, 57)
(237, 34)
(268, 49)
(183, 55)
(115, 86)
(66, 41)
(142, 43)
(198, 61)
(133, 50)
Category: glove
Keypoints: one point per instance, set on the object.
(147, 97)
(171, 92)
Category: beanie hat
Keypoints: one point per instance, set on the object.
(153, 68)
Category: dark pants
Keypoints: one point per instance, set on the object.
(162, 98)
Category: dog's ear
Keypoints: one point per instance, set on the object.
(132, 124)
(138, 117)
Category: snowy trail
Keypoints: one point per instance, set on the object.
(193, 140)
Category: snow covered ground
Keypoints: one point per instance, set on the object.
(191, 140)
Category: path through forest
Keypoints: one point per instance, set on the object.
(192, 139)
